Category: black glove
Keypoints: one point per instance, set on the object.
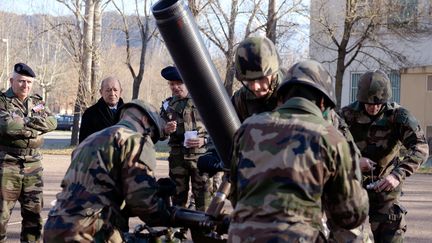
(210, 163)
(167, 187)
(163, 217)
(222, 228)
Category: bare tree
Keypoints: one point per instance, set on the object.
(96, 44)
(220, 30)
(226, 24)
(272, 21)
(79, 38)
(362, 31)
(146, 34)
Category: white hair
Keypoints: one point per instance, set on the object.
(15, 75)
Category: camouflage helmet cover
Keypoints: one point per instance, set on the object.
(374, 88)
(310, 73)
(151, 112)
(256, 57)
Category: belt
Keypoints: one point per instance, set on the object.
(19, 151)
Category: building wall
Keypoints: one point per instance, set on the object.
(418, 52)
(415, 95)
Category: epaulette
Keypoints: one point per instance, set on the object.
(168, 99)
(36, 96)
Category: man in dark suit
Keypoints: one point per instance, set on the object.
(103, 113)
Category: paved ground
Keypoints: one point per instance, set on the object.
(417, 196)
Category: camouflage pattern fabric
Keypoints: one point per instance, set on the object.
(282, 182)
(256, 57)
(110, 167)
(362, 233)
(374, 88)
(182, 160)
(21, 124)
(246, 103)
(379, 138)
(312, 74)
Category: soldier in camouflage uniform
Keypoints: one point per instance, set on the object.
(257, 68)
(181, 116)
(379, 129)
(108, 168)
(282, 181)
(23, 119)
(362, 233)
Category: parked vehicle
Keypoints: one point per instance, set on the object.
(65, 122)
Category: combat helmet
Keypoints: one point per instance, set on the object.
(374, 88)
(310, 73)
(255, 58)
(151, 112)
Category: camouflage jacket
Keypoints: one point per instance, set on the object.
(340, 124)
(188, 119)
(289, 176)
(246, 103)
(22, 122)
(111, 166)
(381, 137)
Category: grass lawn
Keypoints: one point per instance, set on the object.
(162, 150)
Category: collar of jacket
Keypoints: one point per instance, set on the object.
(9, 93)
(299, 103)
(359, 107)
(101, 102)
(176, 98)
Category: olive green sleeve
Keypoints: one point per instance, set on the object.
(13, 124)
(344, 198)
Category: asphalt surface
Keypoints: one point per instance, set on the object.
(417, 196)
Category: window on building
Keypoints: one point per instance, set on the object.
(429, 82)
(429, 132)
(395, 83)
(402, 13)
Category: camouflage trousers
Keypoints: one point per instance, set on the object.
(79, 229)
(360, 234)
(22, 181)
(248, 232)
(181, 171)
(387, 216)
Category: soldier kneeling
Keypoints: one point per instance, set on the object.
(108, 168)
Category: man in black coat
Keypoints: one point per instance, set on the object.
(103, 113)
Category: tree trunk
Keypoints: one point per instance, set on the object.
(229, 77)
(86, 62)
(340, 70)
(229, 67)
(84, 86)
(144, 41)
(97, 39)
(271, 21)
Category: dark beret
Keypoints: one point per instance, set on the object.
(170, 73)
(23, 69)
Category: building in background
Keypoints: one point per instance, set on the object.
(397, 40)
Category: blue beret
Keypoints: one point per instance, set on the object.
(24, 70)
(170, 73)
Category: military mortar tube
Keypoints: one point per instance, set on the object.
(183, 40)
